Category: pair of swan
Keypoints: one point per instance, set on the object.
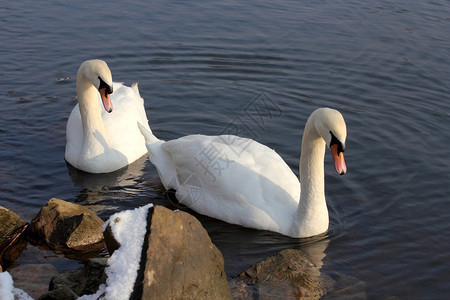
(230, 178)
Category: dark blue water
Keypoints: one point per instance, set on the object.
(201, 65)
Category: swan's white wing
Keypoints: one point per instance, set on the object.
(120, 125)
(74, 136)
(234, 179)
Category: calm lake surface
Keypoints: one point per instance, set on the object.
(201, 65)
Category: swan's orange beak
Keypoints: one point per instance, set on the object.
(106, 100)
(339, 162)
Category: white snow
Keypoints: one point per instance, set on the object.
(129, 228)
(101, 290)
(6, 286)
(21, 295)
(8, 291)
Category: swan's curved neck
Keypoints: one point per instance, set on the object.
(93, 127)
(312, 212)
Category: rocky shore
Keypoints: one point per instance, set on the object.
(176, 259)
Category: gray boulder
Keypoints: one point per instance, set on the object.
(33, 278)
(11, 227)
(83, 281)
(286, 275)
(342, 286)
(111, 243)
(181, 262)
(67, 226)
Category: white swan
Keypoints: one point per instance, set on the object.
(243, 182)
(103, 141)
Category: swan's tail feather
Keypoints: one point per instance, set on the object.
(160, 158)
(135, 89)
(147, 133)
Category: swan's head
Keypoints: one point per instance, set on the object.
(98, 73)
(331, 127)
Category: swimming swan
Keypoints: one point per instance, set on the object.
(103, 141)
(243, 182)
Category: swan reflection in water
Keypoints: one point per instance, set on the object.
(127, 188)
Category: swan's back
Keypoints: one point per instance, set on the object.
(121, 129)
(235, 179)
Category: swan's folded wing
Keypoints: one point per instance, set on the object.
(233, 179)
(74, 136)
(120, 125)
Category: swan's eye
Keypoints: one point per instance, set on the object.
(104, 85)
(335, 141)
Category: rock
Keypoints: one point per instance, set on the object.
(63, 225)
(111, 243)
(11, 227)
(287, 275)
(63, 293)
(342, 286)
(33, 278)
(13, 252)
(181, 262)
(83, 281)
